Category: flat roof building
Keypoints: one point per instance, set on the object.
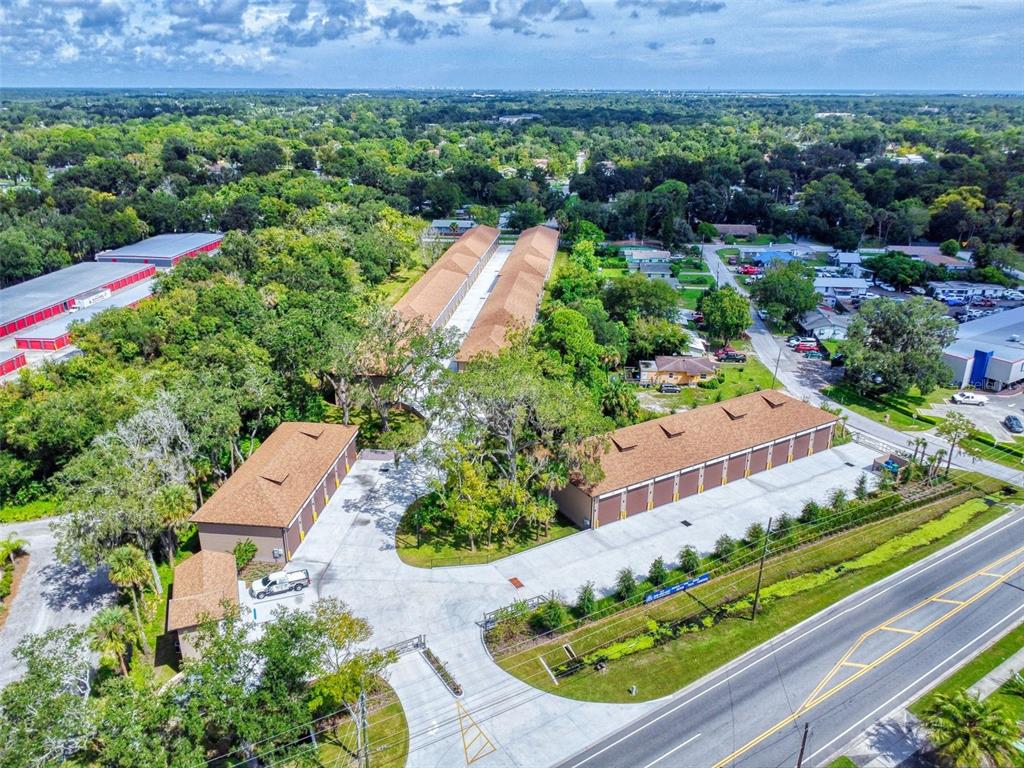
(276, 496)
(43, 297)
(10, 361)
(988, 352)
(164, 251)
(960, 289)
(55, 334)
(737, 230)
(516, 295)
(657, 462)
(436, 295)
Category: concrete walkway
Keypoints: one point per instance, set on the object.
(350, 553)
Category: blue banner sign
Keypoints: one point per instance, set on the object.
(682, 586)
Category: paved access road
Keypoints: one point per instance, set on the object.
(839, 671)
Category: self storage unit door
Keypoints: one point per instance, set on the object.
(821, 438)
(292, 540)
(738, 467)
(780, 453)
(636, 500)
(608, 509)
(800, 446)
(663, 491)
(759, 460)
(307, 517)
(689, 482)
(713, 475)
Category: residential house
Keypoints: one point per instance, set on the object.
(824, 324)
(964, 291)
(737, 230)
(835, 289)
(674, 369)
(205, 585)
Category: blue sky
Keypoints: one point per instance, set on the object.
(639, 44)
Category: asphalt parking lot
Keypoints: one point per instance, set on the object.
(988, 417)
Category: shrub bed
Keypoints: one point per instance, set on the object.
(442, 671)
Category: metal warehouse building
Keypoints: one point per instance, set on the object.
(988, 352)
(436, 295)
(276, 496)
(667, 459)
(10, 361)
(516, 294)
(164, 251)
(56, 333)
(45, 296)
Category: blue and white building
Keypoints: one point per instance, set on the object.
(989, 352)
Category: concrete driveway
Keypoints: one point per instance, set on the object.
(350, 554)
(50, 595)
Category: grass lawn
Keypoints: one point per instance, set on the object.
(831, 345)
(842, 762)
(669, 667)
(610, 272)
(878, 408)
(695, 279)
(767, 240)
(694, 264)
(688, 297)
(397, 284)
(727, 252)
(740, 379)
(440, 547)
(406, 429)
(33, 510)
(973, 671)
(388, 734)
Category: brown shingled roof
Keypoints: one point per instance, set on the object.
(274, 483)
(514, 299)
(741, 230)
(201, 583)
(429, 295)
(662, 446)
(694, 366)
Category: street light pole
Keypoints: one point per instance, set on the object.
(760, 570)
(775, 373)
(803, 746)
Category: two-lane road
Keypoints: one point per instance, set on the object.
(841, 670)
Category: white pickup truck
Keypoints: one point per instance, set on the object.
(968, 398)
(279, 583)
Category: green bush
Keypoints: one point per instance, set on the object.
(709, 384)
(625, 583)
(658, 573)
(550, 616)
(244, 551)
(586, 601)
(689, 560)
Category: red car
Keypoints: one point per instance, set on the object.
(984, 303)
(748, 269)
(805, 346)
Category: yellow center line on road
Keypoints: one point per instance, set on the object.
(947, 601)
(898, 629)
(817, 697)
(854, 664)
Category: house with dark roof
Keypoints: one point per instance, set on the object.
(673, 369)
(656, 462)
(205, 585)
(737, 230)
(277, 495)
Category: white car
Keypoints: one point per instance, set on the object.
(968, 398)
(1014, 295)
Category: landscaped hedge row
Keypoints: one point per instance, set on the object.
(442, 671)
(6, 581)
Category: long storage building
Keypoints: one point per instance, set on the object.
(436, 295)
(164, 251)
(657, 462)
(276, 496)
(516, 295)
(46, 296)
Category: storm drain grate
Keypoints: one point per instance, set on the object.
(361, 521)
(687, 523)
(850, 464)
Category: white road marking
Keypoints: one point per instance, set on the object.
(673, 750)
(775, 649)
(871, 715)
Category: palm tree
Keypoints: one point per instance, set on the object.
(128, 570)
(11, 546)
(1015, 685)
(969, 731)
(111, 632)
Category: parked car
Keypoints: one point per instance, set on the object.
(725, 351)
(968, 398)
(280, 582)
(806, 346)
(1014, 424)
(794, 342)
(814, 355)
(886, 286)
(733, 357)
(955, 302)
(670, 389)
(1014, 295)
(984, 303)
(917, 290)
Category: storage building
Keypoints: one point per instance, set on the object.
(988, 352)
(657, 462)
(276, 496)
(45, 296)
(203, 585)
(10, 361)
(55, 334)
(516, 295)
(436, 295)
(164, 251)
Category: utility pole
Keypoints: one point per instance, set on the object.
(776, 371)
(803, 746)
(364, 729)
(760, 570)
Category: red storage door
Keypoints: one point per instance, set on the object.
(689, 483)
(738, 467)
(636, 500)
(307, 518)
(780, 452)
(713, 475)
(663, 491)
(759, 460)
(800, 446)
(821, 438)
(292, 540)
(351, 454)
(608, 510)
